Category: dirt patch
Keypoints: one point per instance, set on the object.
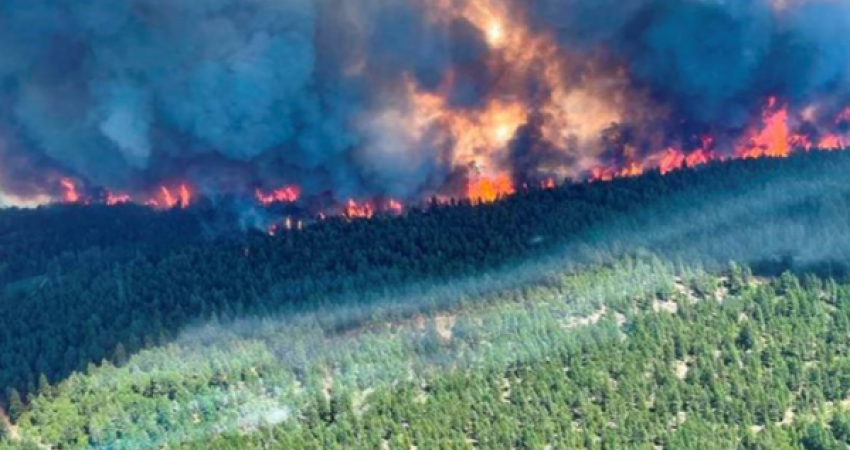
(327, 384)
(668, 306)
(506, 391)
(444, 324)
(593, 319)
(7, 423)
(788, 418)
(681, 369)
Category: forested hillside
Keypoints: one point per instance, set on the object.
(638, 354)
(198, 328)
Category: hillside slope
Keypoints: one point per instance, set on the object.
(81, 285)
(633, 355)
(79, 281)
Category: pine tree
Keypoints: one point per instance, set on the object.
(16, 405)
(120, 356)
(44, 388)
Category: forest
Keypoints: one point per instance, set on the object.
(607, 314)
(635, 354)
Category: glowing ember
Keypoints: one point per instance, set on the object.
(288, 224)
(395, 207)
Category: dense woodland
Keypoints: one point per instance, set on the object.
(638, 354)
(449, 327)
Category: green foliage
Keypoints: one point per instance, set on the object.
(593, 360)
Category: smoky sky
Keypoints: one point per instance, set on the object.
(232, 93)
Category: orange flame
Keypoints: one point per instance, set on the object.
(70, 194)
(674, 159)
(774, 139)
(700, 157)
(116, 199)
(484, 189)
(185, 196)
(831, 142)
(169, 200)
(288, 194)
(354, 210)
(395, 207)
(182, 197)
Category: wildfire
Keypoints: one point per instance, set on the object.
(288, 194)
(574, 113)
(169, 199)
(484, 189)
(395, 207)
(777, 139)
(70, 194)
(288, 224)
(774, 139)
(478, 137)
(354, 210)
(831, 142)
(674, 159)
(117, 199)
(533, 83)
(495, 33)
(589, 117)
(368, 209)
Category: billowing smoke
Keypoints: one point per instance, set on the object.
(400, 99)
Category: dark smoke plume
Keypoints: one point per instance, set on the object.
(231, 95)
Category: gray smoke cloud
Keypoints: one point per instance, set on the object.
(111, 91)
(235, 94)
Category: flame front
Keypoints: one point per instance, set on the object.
(70, 194)
(169, 198)
(476, 99)
(117, 199)
(288, 194)
(585, 126)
